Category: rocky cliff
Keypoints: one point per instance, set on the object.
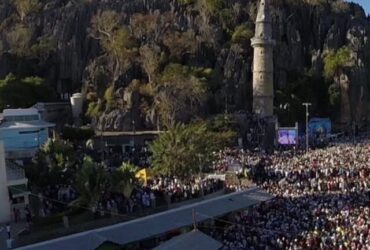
(59, 41)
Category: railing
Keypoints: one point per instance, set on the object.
(13, 172)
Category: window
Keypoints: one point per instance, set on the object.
(29, 132)
(21, 118)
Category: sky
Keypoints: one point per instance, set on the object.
(364, 3)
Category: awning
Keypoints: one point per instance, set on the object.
(18, 190)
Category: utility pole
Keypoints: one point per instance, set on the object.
(101, 142)
(133, 133)
(307, 104)
(226, 84)
(354, 131)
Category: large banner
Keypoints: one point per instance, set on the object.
(319, 127)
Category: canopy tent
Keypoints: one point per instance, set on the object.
(156, 224)
(194, 240)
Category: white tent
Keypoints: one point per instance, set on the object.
(194, 240)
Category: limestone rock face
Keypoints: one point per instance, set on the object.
(237, 72)
(303, 33)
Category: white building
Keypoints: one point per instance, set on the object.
(4, 195)
(22, 132)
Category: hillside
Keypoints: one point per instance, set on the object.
(163, 61)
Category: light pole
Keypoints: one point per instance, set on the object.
(101, 141)
(354, 131)
(225, 83)
(307, 104)
(133, 133)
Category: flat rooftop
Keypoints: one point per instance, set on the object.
(19, 112)
(25, 125)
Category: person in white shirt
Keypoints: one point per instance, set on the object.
(152, 199)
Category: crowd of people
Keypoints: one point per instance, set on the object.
(138, 155)
(160, 192)
(321, 202)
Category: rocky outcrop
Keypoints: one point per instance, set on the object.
(304, 33)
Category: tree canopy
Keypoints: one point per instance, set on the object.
(25, 7)
(335, 61)
(92, 181)
(184, 150)
(178, 94)
(54, 163)
(24, 92)
(19, 40)
(115, 39)
(124, 179)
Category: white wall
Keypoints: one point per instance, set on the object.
(4, 195)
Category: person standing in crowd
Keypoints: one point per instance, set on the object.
(28, 215)
(8, 230)
(152, 199)
(16, 214)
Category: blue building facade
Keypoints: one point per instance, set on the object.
(23, 130)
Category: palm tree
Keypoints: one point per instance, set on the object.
(91, 183)
(124, 180)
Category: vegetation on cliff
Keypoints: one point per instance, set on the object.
(163, 62)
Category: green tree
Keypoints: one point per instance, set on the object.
(39, 174)
(95, 109)
(19, 40)
(174, 152)
(23, 93)
(178, 94)
(115, 39)
(152, 58)
(151, 28)
(335, 62)
(53, 164)
(110, 99)
(184, 150)
(181, 43)
(92, 181)
(334, 94)
(213, 6)
(25, 7)
(222, 123)
(60, 155)
(44, 47)
(124, 180)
